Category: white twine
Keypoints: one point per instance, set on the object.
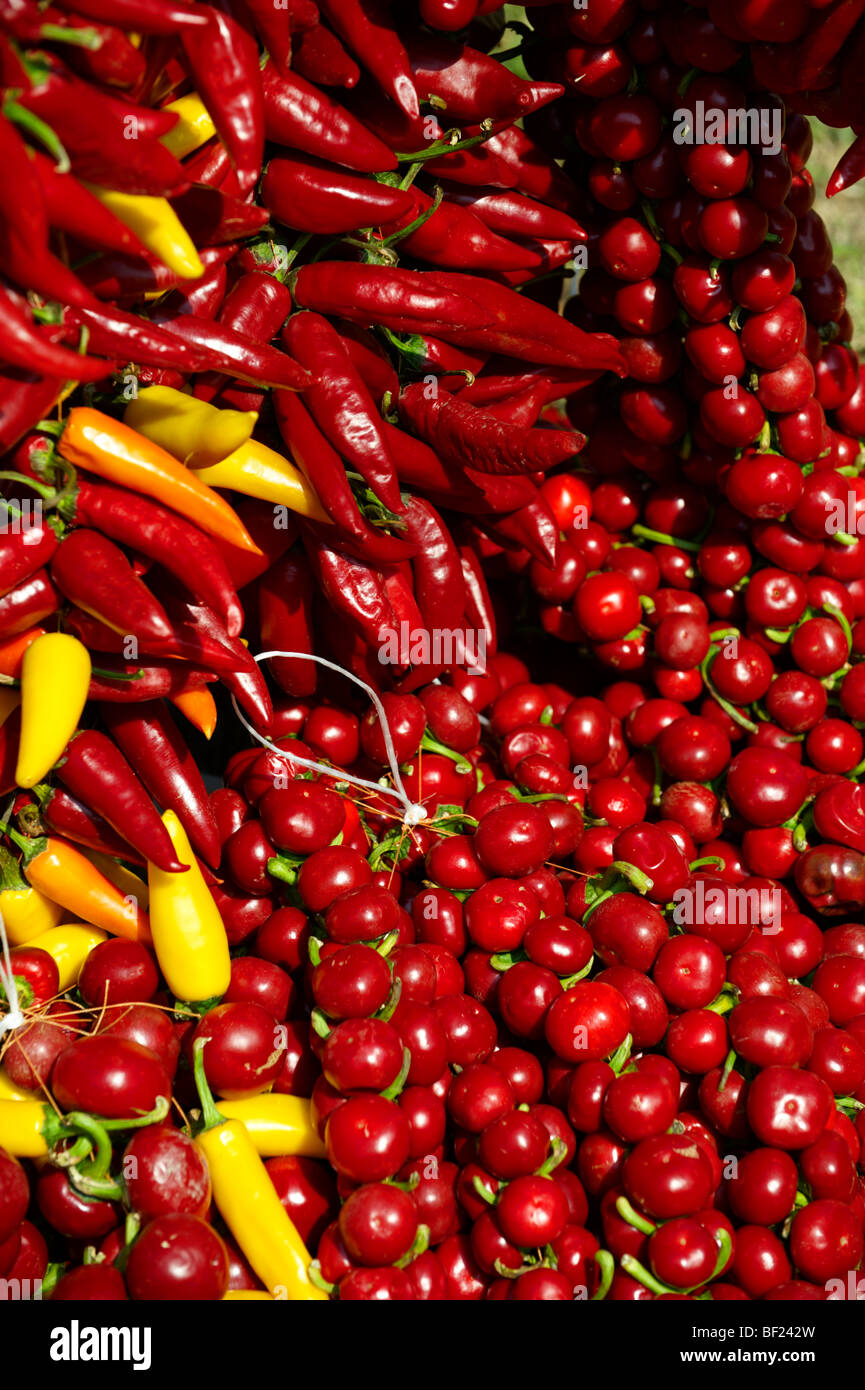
(14, 1018)
(413, 811)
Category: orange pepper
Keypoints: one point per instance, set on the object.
(113, 451)
(66, 876)
(13, 649)
(199, 707)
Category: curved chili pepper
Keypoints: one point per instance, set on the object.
(72, 208)
(849, 169)
(28, 604)
(94, 573)
(277, 1124)
(24, 252)
(196, 433)
(188, 936)
(474, 86)
(367, 28)
(223, 59)
(153, 530)
(60, 871)
(352, 588)
(125, 277)
(318, 55)
(257, 306)
(369, 358)
(110, 58)
(183, 643)
(312, 196)
(117, 453)
(211, 216)
(25, 399)
(131, 682)
(512, 214)
(65, 816)
(21, 345)
(285, 596)
(157, 226)
(522, 408)
(199, 708)
(533, 528)
(153, 744)
(534, 172)
(300, 116)
(26, 544)
(142, 16)
(340, 404)
(134, 339)
(438, 579)
(55, 674)
(466, 436)
(203, 299)
(406, 301)
(323, 468)
(479, 605)
(243, 357)
(26, 913)
(96, 772)
(211, 166)
(276, 27)
(274, 532)
(452, 236)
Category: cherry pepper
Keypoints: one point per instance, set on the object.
(247, 1199)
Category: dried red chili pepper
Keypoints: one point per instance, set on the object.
(300, 116)
(464, 435)
(285, 595)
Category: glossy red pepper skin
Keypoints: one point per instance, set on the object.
(25, 399)
(533, 171)
(513, 214)
(367, 28)
(323, 468)
(474, 86)
(133, 682)
(122, 277)
(464, 435)
(370, 359)
(849, 169)
(94, 574)
(438, 580)
(26, 544)
(352, 587)
(142, 16)
(406, 301)
(318, 55)
(66, 816)
(184, 643)
(533, 528)
(74, 209)
(257, 305)
(311, 196)
(234, 665)
(223, 58)
(157, 751)
(211, 216)
(134, 339)
(234, 352)
(285, 595)
(95, 771)
(163, 536)
(341, 405)
(28, 604)
(453, 237)
(480, 612)
(22, 345)
(114, 61)
(299, 115)
(277, 27)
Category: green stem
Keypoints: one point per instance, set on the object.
(209, 1113)
(634, 1218)
(607, 1265)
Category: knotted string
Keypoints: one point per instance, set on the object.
(413, 811)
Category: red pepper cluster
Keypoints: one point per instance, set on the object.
(589, 1021)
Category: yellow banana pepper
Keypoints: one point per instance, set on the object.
(157, 226)
(277, 1125)
(55, 679)
(247, 1201)
(23, 1126)
(193, 129)
(9, 1091)
(25, 912)
(257, 471)
(70, 944)
(197, 433)
(188, 934)
(247, 1296)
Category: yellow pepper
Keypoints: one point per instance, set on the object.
(9, 700)
(25, 911)
(188, 934)
(257, 471)
(157, 226)
(197, 433)
(70, 944)
(9, 1091)
(55, 679)
(277, 1125)
(193, 129)
(247, 1201)
(247, 1296)
(199, 707)
(23, 1125)
(130, 885)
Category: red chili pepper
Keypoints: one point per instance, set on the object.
(131, 338)
(95, 574)
(438, 580)
(453, 237)
(95, 130)
(369, 358)
(223, 59)
(311, 196)
(513, 214)
(318, 55)
(142, 16)
(533, 528)
(21, 345)
(134, 682)
(849, 169)
(153, 744)
(243, 357)
(96, 772)
(26, 544)
(256, 306)
(212, 216)
(28, 604)
(74, 209)
(64, 815)
(273, 533)
(285, 595)
(341, 405)
(523, 407)
(203, 300)
(111, 60)
(323, 468)
(25, 399)
(479, 605)
(130, 277)
(212, 165)
(300, 116)
(526, 329)
(353, 588)
(160, 534)
(474, 86)
(500, 383)
(464, 435)
(406, 301)
(276, 27)
(827, 33)
(534, 171)
(368, 29)
(184, 643)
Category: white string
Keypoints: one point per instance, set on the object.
(413, 811)
(14, 1018)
